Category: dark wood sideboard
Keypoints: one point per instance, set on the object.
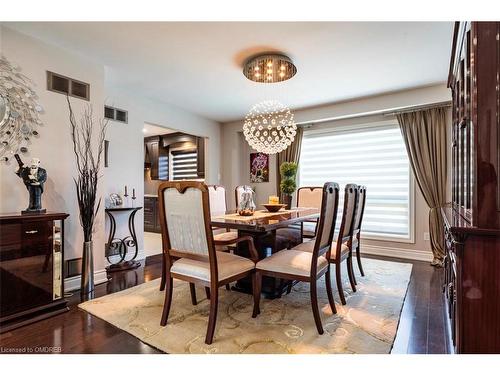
(31, 268)
(472, 221)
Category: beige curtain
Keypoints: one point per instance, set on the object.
(424, 133)
(290, 154)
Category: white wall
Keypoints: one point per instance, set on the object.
(53, 147)
(235, 159)
(126, 153)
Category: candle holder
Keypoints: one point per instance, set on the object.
(125, 197)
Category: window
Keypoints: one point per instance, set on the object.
(373, 155)
(184, 165)
(163, 167)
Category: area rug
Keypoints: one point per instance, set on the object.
(366, 324)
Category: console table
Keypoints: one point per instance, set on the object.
(31, 268)
(120, 246)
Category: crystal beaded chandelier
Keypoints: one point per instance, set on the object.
(269, 127)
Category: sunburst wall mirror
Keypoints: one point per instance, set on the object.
(19, 111)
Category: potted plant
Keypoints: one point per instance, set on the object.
(288, 185)
(88, 155)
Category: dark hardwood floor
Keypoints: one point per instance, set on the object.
(422, 328)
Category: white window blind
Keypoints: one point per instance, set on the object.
(371, 156)
(184, 165)
(163, 167)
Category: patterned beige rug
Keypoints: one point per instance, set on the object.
(367, 324)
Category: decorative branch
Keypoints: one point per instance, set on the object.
(88, 164)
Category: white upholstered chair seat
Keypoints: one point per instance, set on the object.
(228, 265)
(226, 236)
(305, 246)
(294, 262)
(309, 246)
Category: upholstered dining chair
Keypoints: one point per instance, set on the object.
(189, 246)
(217, 199)
(218, 206)
(309, 196)
(354, 244)
(340, 249)
(304, 266)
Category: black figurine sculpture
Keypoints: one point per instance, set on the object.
(33, 177)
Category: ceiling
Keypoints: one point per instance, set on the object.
(198, 65)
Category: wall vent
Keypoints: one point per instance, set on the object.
(116, 114)
(67, 86)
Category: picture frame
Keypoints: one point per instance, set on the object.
(259, 167)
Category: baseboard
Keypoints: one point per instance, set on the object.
(395, 252)
(152, 259)
(73, 283)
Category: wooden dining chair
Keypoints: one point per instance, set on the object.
(218, 207)
(341, 251)
(298, 265)
(340, 248)
(309, 196)
(189, 247)
(354, 244)
(223, 240)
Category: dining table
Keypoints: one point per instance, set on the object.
(265, 228)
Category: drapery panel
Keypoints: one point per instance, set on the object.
(424, 133)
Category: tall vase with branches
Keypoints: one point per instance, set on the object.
(88, 154)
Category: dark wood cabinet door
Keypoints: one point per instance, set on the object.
(150, 215)
(27, 266)
(200, 150)
(153, 150)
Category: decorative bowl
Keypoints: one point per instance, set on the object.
(274, 207)
(246, 212)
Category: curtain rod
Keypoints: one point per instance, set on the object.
(391, 112)
(416, 108)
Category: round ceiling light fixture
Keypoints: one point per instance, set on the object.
(269, 68)
(269, 127)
